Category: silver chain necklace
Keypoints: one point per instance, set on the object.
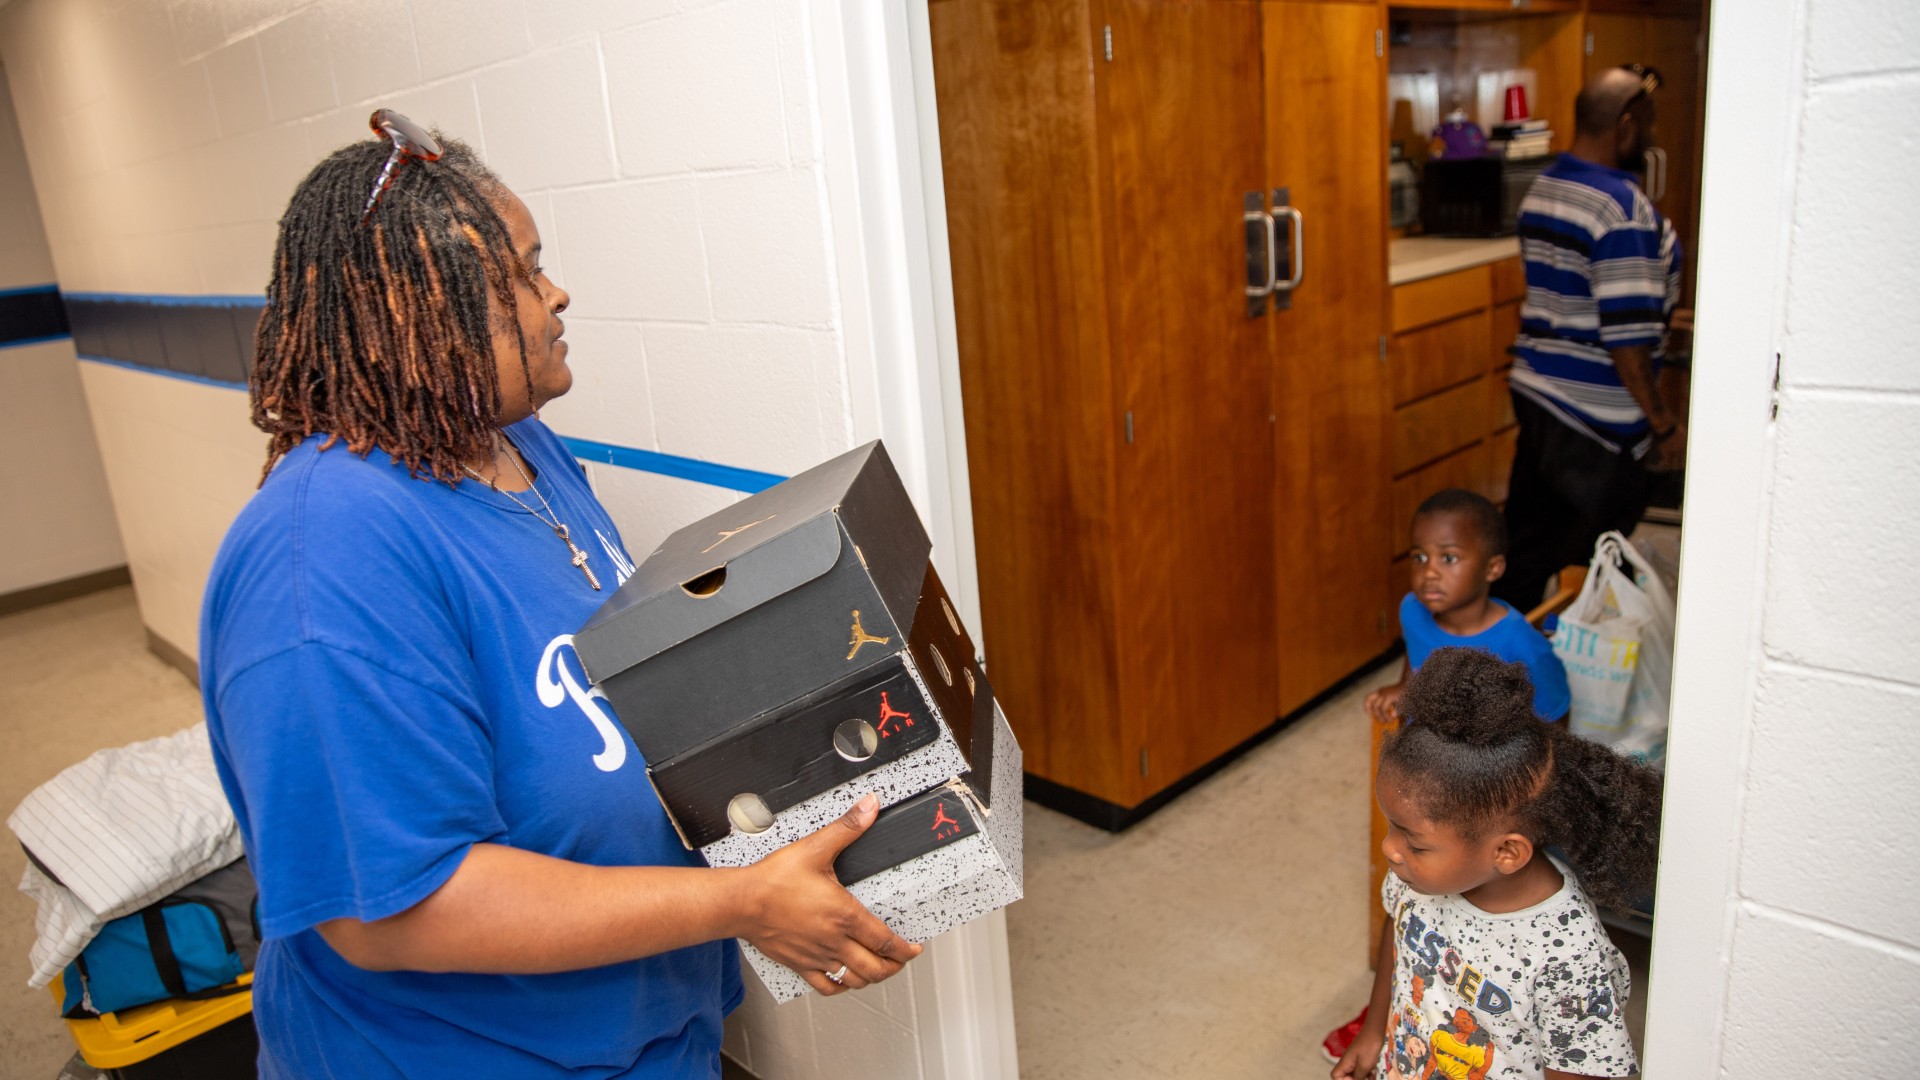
(551, 520)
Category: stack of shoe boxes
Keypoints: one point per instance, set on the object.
(779, 660)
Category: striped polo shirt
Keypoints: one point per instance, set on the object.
(1603, 272)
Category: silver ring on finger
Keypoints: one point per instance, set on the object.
(837, 978)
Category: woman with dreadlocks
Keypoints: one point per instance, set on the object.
(463, 869)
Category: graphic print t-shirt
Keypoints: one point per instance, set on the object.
(389, 678)
(1485, 996)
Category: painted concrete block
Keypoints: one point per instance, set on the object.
(299, 73)
(767, 248)
(1846, 504)
(195, 28)
(697, 91)
(610, 400)
(1850, 37)
(460, 35)
(797, 82)
(1822, 836)
(1849, 321)
(1789, 977)
(372, 49)
(760, 379)
(866, 1044)
(239, 86)
(552, 21)
(546, 119)
(635, 251)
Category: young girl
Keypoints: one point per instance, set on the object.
(1493, 962)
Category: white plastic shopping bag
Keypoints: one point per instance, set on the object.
(1616, 641)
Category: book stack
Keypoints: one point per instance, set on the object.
(1522, 139)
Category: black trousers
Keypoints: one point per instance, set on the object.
(1565, 491)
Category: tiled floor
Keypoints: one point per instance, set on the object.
(1220, 938)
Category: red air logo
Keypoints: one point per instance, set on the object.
(944, 827)
(888, 714)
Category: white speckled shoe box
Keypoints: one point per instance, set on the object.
(796, 644)
(929, 894)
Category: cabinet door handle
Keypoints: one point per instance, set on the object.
(1656, 187)
(1299, 262)
(1264, 221)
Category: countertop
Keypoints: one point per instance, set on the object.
(1416, 257)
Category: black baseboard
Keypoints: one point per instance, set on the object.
(174, 655)
(1114, 818)
(55, 591)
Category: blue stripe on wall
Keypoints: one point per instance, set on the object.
(703, 472)
(31, 314)
(208, 340)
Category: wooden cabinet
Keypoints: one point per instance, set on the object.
(1452, 423)
(1180, 507)
(1325, 93)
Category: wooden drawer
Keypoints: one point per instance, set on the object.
(1504, 327)
(1509, 280)
(1500, 400)
(1436, 357)
(1500, 463)
(1466, 469)
(1418, 303)
(1435, 426)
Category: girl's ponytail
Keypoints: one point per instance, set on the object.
(1603, 810)
(1481, 757)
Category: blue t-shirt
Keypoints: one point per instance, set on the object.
(1512, 639)
(389, 678)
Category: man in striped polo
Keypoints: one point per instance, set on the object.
(1603, 275)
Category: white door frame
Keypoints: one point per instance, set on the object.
(886, 199)
(1754, 94)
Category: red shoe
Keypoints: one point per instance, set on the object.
(1335, 1045)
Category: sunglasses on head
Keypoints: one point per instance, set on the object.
(1650, 81)
(409, 140)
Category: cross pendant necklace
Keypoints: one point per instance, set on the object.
(551, 520)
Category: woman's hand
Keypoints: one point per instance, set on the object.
(1362, 1059)
(801, 916)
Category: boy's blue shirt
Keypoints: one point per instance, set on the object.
(389, 679)
(1512, 639)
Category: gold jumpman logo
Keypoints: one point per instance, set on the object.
(728, 534)
(862, 638)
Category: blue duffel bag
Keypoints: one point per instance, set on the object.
(191, 944)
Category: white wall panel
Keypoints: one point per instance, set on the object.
(699, 90)
(651, 265)
(1822, 835)
(546, 118)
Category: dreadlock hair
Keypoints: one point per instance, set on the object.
(1478, 758)
(380, 334)
(1479, 511)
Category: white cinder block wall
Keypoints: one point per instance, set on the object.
(1786, 941)
(58, 523)
(671, 153)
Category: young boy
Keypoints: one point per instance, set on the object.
(1459, 551)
